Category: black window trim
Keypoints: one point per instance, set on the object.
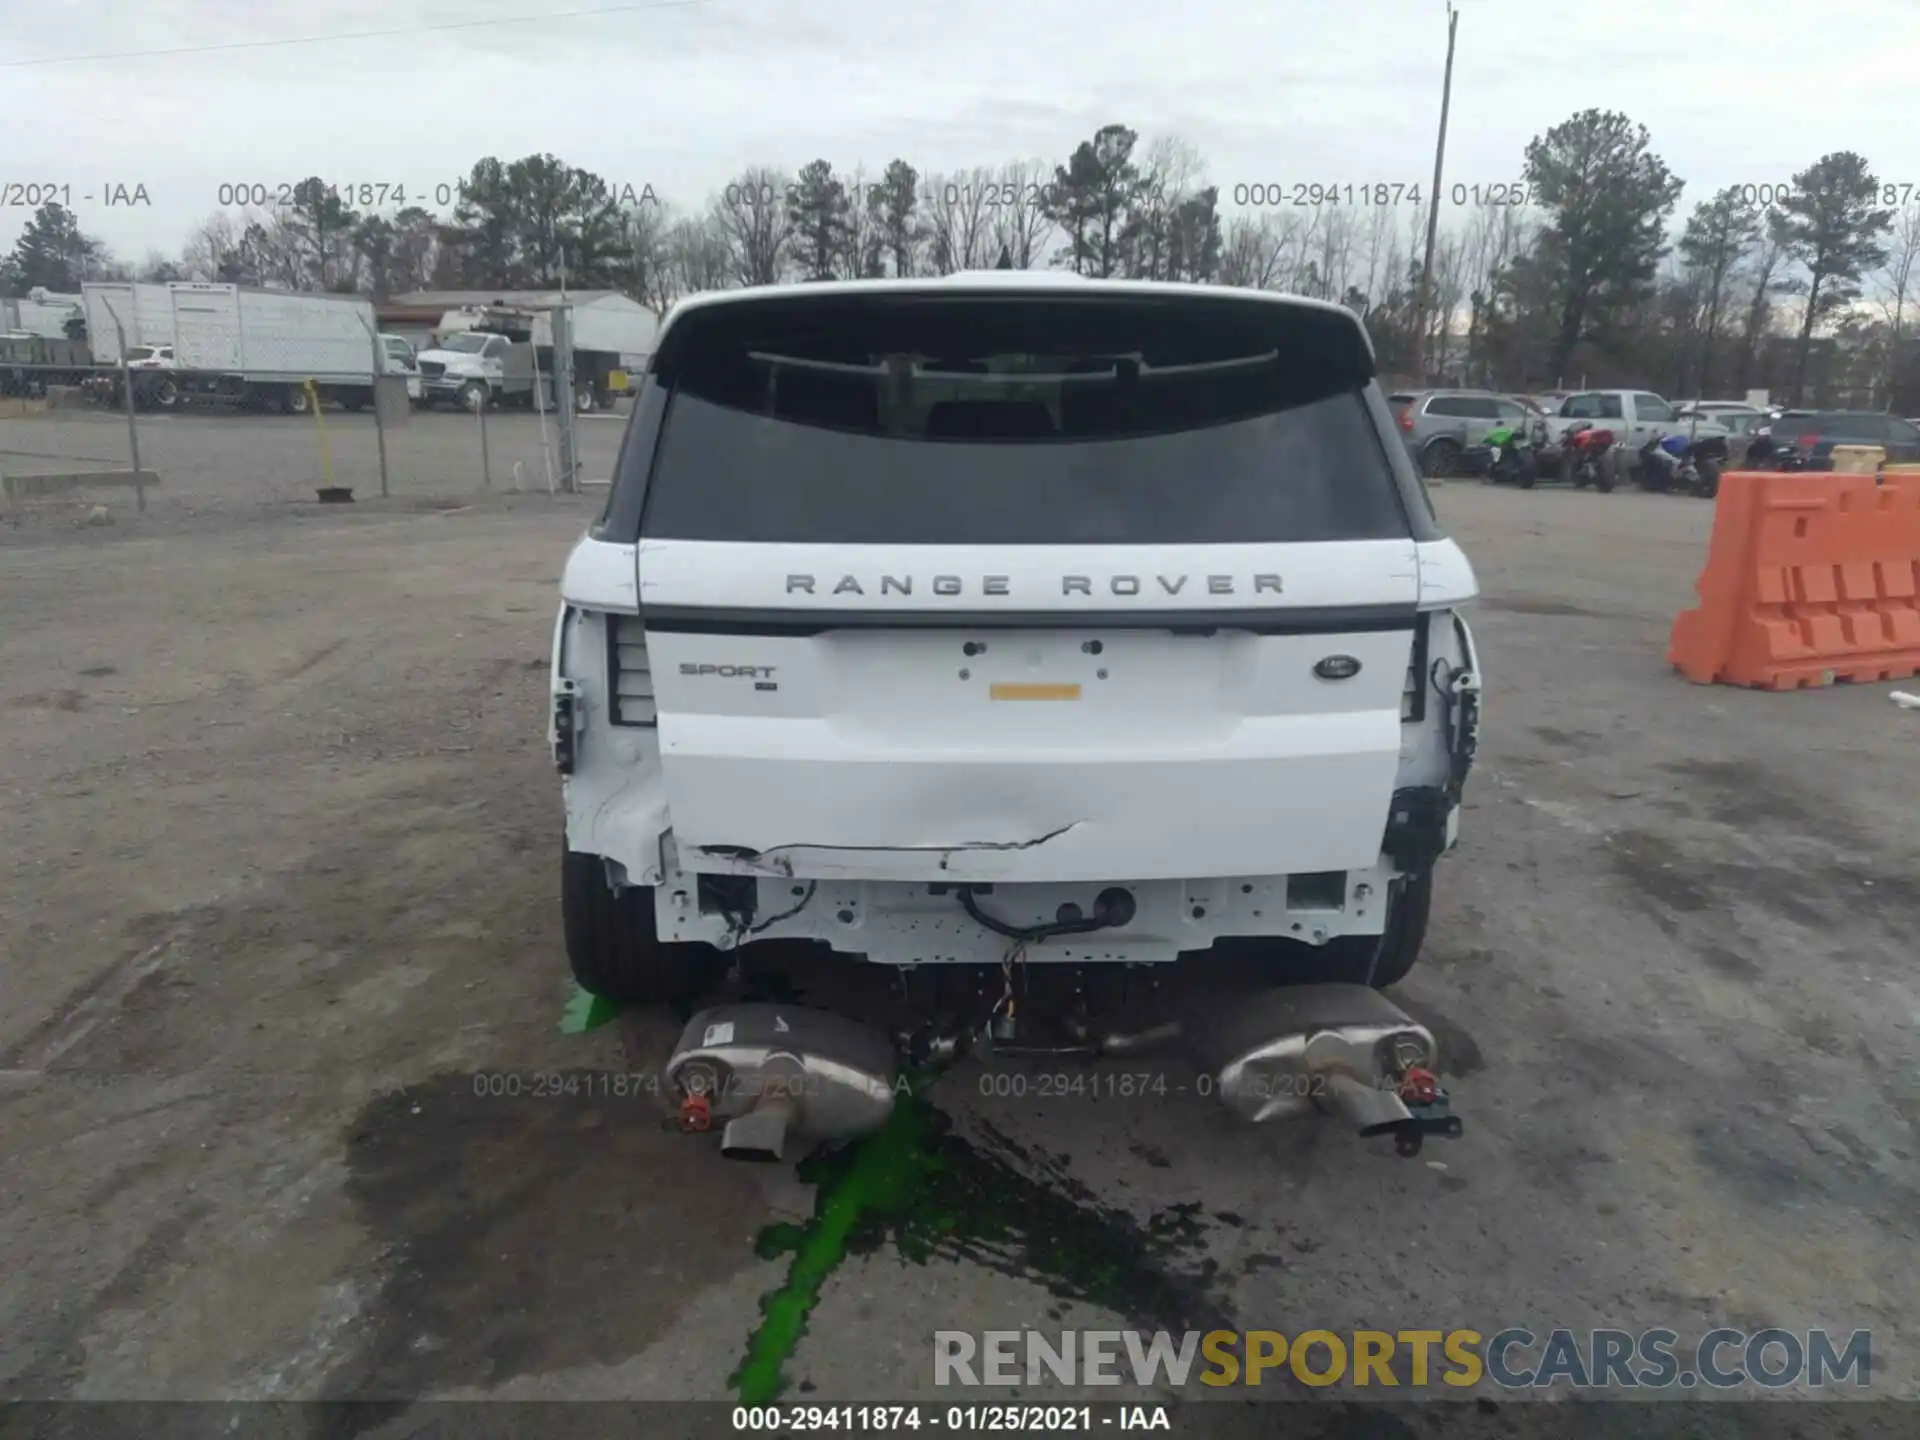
(1274, 620)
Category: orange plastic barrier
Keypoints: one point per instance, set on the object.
(1810, 579)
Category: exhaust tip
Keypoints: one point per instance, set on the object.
(760, 1135)
(752, 1154)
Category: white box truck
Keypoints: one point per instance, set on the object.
(260, 348)
(144, 313)
(42, 312)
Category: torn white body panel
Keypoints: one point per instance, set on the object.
(1170, 761)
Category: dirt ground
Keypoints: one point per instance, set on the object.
(280, 866)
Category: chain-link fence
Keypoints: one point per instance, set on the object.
(68, 440)
(146, 428)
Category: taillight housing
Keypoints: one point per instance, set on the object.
(1406, 419)
(1413, 691)
(629, 674)
(1807, 442)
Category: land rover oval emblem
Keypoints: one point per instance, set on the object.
(1337, 667)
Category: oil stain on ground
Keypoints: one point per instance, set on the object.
(531, 1232)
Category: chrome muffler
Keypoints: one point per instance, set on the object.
(773, 1073)
(1341, 1049)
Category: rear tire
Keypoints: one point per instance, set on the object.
(1606, 474)
(1439, 458)
(1383, 960)
(1709, 485)
(613, 947)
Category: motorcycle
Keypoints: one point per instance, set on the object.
(1585, 457)
(1508, 456)
(1764, 452)
(1671, 464)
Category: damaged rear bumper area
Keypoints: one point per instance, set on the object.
(909, 923)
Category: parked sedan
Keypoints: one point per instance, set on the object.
(1814, 433)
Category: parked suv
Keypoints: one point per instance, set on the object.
(1005, 617)
(1436, 425)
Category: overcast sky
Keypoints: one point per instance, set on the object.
(681, 96)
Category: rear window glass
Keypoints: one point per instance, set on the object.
(1845, 428)
(1021, 421)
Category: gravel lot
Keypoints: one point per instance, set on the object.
(281, 877)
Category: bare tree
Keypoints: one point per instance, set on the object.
(1449, 289)
(1763, 277)
(1339, 237)
(1494, 236)
(417, 248)
(1021, 226)
(1170, 175)
(208, 245)
(699, 255)
(1260, 250)
(865, 242)
(285, 256)
(751, 213)
(1378, 244)
(1897, 278)
(650, 275)
(1324, 257)
(960, 210)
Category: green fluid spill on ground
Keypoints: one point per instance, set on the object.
(586, 1011)
(934, 1194)
(875, 1175)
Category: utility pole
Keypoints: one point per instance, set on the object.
(1433, 211)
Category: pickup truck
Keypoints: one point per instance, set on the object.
(1634, 416)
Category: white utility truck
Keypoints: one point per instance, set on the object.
(490, 355)
(1024, 632)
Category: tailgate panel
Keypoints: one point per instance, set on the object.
(1183, 755)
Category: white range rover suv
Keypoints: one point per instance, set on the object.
(931, 618)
